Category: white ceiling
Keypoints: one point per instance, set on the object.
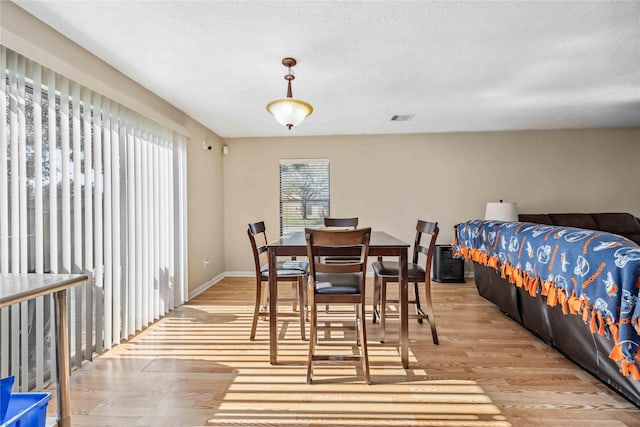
(458, 66)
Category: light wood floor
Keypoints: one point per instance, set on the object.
(197, 367)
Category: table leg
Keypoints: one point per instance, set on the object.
(404, 308)
(62, 359)
(273, 307)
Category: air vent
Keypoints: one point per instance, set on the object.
(402, 118)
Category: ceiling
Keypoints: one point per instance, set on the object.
(455, 66)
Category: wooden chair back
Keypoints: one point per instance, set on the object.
(423, 229)
(338, 242)
(258, 238)
(341, 222)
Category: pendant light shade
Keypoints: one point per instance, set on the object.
(289, 111)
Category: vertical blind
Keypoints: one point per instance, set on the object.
(86, 186)
(304, 194)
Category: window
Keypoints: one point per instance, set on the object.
(304, 194)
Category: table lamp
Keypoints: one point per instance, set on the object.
(501, 211)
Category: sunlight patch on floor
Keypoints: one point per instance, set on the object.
(261, 394)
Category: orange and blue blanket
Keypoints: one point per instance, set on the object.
(589, 273)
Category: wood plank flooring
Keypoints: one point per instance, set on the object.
(197, 367)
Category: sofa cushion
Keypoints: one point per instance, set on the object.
(535, 218)
(578, 220)
(618, 223)
(634, 238)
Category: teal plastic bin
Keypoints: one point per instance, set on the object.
(26, 410)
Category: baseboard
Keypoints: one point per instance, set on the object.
(200, 289)
(221, 276)
(240, 274)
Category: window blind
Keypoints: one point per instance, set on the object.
(304, 194)
(86, 186)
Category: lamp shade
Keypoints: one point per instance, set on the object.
(289, 112)
(501, 211)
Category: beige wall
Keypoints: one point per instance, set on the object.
(390, 181)
(25, 34)
(205, 209)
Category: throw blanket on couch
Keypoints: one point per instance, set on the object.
(590, 273)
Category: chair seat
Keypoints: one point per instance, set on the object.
(390, 268)
(337, 284)
(287, 268)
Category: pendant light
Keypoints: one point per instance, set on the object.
(289, 111)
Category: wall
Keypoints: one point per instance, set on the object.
(204, 209)
(390, 181)
(27, 35)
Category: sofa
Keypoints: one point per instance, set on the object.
(623, 224)
(575, 314)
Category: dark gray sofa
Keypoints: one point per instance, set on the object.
(623, 224)
(567, 333)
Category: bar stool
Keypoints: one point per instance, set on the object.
(387, 271)
(292, 271)
(337, 283)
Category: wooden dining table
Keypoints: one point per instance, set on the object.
(381, 244)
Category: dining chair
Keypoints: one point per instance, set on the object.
(343, 223)
(291, 270)
(387, 271)
(337, 283)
